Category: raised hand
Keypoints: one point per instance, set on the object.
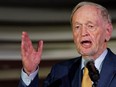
(30, 57)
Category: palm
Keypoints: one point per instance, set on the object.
(30, 57)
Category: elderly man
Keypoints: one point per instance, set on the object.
(92, 29)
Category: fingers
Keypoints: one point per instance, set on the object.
(27, 41)
(26, 45)
(22, 46)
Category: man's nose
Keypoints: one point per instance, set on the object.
(84, 31)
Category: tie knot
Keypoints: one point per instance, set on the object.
(86, 71)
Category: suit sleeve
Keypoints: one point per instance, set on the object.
(54, 79)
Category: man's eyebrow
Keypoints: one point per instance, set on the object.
(90, 22)
(78, 23)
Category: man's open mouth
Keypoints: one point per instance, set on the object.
(86, 43)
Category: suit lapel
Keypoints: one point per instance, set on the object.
(75, 73)
(108, 70)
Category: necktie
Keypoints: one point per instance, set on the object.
(86, 81)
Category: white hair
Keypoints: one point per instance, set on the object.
(104, 12)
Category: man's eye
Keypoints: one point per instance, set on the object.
(90, 26)
(77, 27)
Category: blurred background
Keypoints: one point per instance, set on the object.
(48, 20)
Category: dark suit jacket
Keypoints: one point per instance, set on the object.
(68, 74)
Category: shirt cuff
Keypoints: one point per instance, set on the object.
(28, 78)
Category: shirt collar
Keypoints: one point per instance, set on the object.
(98, 61)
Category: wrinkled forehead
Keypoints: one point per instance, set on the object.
(88, 9)
(87, 14)
(102, 11)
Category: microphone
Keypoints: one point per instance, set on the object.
(93, 72)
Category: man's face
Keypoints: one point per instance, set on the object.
(90, 31)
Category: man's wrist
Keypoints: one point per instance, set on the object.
(28, 78)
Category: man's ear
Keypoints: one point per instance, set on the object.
(109, 29)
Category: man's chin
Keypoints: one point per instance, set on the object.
(88, 54)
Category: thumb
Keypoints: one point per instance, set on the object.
(40, 46)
